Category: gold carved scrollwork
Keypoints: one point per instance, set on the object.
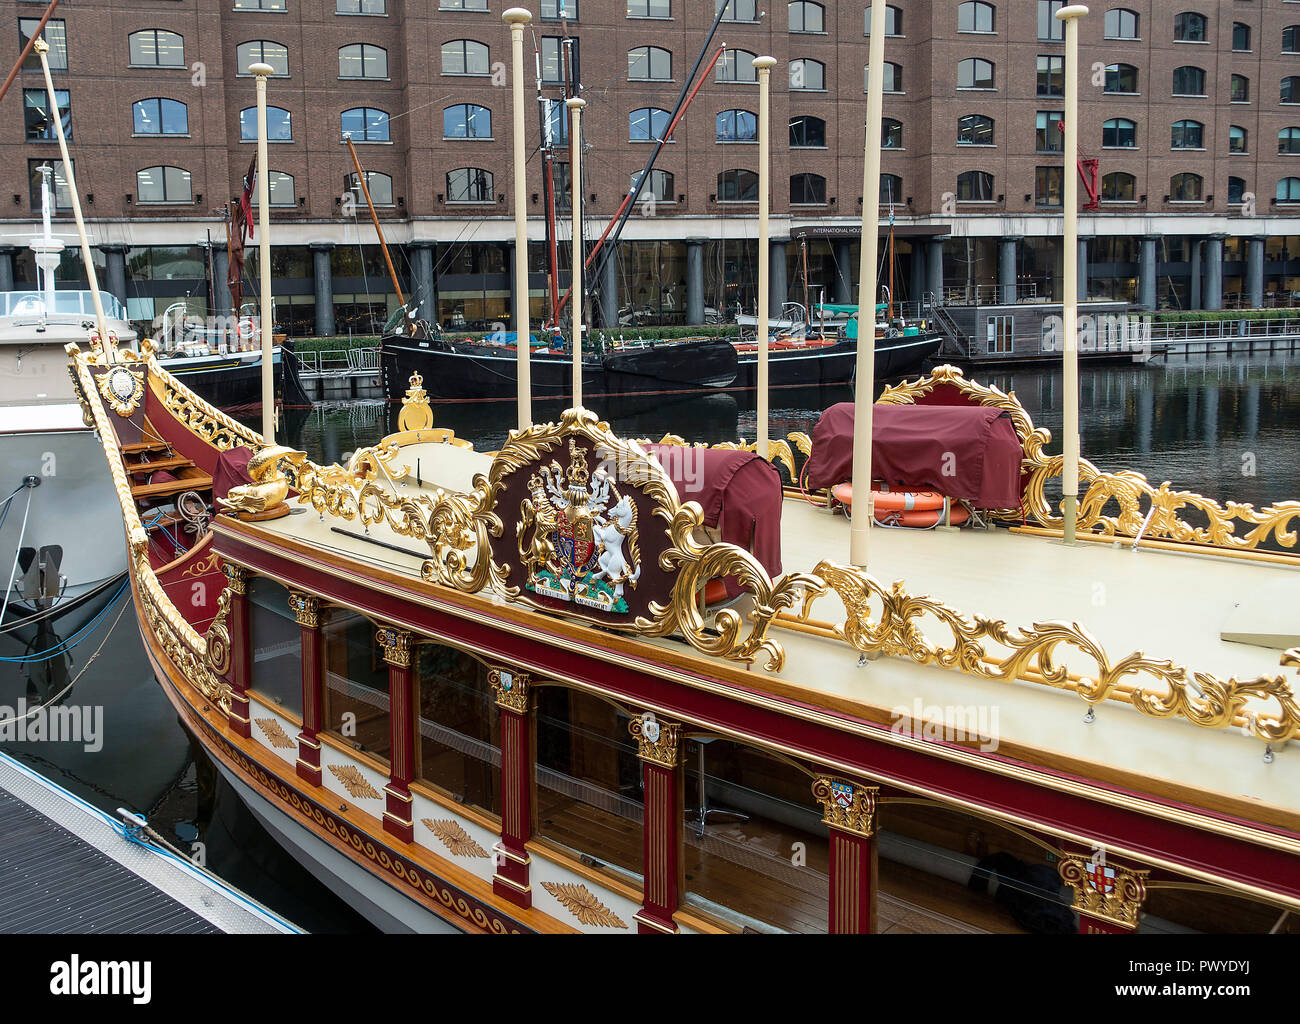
(236, 577)
(416, 414)
(658, 742)
(305, 608)
(397, 646)
(511, 689)
(848, 806)
(1105, 891)
(217, 639)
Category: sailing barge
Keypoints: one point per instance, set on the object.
(580, 684)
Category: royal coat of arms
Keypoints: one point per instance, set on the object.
(578, 535)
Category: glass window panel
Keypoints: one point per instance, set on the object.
(276, 657)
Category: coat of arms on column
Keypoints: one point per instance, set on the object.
(578, 537)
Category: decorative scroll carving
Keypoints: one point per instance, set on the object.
(217, 640)
(582, 903)
(1105, 891)
(777, 450)
(354, 782)
(305, 608)
(511, 689)
(275, 733)
(883, 620)
(269, 486)
(454, 837)
(236, 577)
(848, 806)
(397, 646)
(658, 742)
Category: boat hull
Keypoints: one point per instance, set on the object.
(835, 364)
(233, 383)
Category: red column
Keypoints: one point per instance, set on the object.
(240, 651)
(401, 704)
(306, 610)
(659, 748)
(1107, 896)
(514, 699)
(850, 812)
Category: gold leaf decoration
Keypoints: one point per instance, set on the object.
(354, 782)
(274, 732)
(582, 903)
(455, 838)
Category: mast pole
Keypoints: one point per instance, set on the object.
(110, 350)
(575, 105)
(517, 18)
(1070, 284)
(261, 71)
(374, 217)
(865, 374)
(764, 67)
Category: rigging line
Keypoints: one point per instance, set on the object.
(73, 640)
(14, 571)
(60, 609)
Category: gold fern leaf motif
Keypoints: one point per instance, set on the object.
(274, 732)
(582, 903)
(354, 782)
(455, 838)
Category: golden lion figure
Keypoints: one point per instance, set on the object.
(269, 487)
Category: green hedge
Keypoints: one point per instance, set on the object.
(1195, 316)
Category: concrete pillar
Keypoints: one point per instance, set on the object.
(1194, 298)
(220, 272)
(609, 289)
(115, 275)
(1083, 270)
(320, 258)
(1214, 272)
(695, 280)
(1147, 274)
(1007, 270)
(843, 272)
(7, 253)
(918, 271)
(424, 284)
(1255, 271)
(779, 279)
(934, 268)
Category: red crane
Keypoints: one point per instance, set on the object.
(1089, 167)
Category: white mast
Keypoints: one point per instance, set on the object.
(517, 18)
(261, 71)
(764, 66)
(865, 377)
(48, 249)
(575, 106)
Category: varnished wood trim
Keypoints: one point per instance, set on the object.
(540, 848)
(379, 767)
(256, 698)
(419, 787)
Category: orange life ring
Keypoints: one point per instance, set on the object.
(904, 508)
(240, 329)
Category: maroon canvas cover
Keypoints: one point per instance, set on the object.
(913, 445)
(231, 471)
(739, 493)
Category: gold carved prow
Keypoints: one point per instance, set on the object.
(264, 497)
(415, 414)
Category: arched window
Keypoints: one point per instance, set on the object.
(1236, 189)
(1121, 78)
(467, 121)
(157, 116)
(469, 185)
(893, 21)
(1239, 89)
(973, 16)
(156, 48)
(974, 130)
(279, 125)
(737, 126)
(1238, 139)
(1119, 133)
(893, 77)
(465, 57)
(1189, 81)
(1121, 23)
(364, 124)
(363, 60)
(807, 132)
(647, 124)
(661, 186)
(163, 185)
(891, 189)
(807, 75)
(1190, 27)
(1187, 134)
(738, 10)
(379, 184)
(975, 73)
(649, 64)
(1288, 142)
(807, 17)
(891, 133)
(1290, 89)
(280, 186)
(1288, 190)
(263, 51)
(736, 66)
(975, 187)
(1241, 37)
(1291, 39)
(1118, 187)
(807, 190)
(737, 186)
(1185, 188)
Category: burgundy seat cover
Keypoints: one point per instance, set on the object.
(231, 471)
(969, 453)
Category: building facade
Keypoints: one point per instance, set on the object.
(1191, 107)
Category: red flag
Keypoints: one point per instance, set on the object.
(238, 229)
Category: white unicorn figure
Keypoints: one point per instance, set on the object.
(613, 566)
